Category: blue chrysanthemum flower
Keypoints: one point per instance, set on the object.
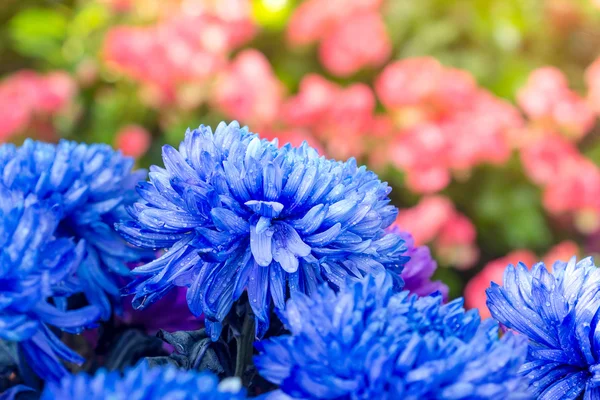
(237, 213)
(144, 383)
(367, 342)
(92, 184)
(35, 267)
(559, 313)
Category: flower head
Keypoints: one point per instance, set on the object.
(239, 214)
(91, 184)
(557, 312)
(34, 267)
(369, 342)
(143, 382)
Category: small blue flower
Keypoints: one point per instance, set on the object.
(238, 214)
(367, 342)
(34, 267)
(144, 383)
(559, 313)
(92, 184)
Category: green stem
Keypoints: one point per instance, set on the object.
(245, 345)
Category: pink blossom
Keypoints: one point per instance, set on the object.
(574, 188)
(435, 220)
(312, 19)
(474, 292)
(425, 220)
(181, 49)
(249, 91)
(339, 117)
(360, 41)
(424, 82)
(548, 101)
(133, 140)
(27, 94)
(545, 158)
(446, 124)
(315, 97)
(592, 79)
(409, 82)
(571, 182)
(455, 244)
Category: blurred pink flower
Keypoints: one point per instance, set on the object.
(352, 33)
(249, 91)
(445, 122)
(425, 220)
(455, 244)
(547, 156)
(474, 292)
(548, 101)
(571, 182)
(360, 41)
(421, 151)
(27, 94)
(592, 79)
(409, 82)
(435, 220)
(181, 49)
(574, 188)
(338, 117)
(424, 82)
(313, 19)
(133, 140)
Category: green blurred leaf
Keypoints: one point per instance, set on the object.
(90, 18)
(430, 37)
(38, 32)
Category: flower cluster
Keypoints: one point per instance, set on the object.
(549, 103)
(434, 219)
(338, 117)
(445, 122)
(27, 94)
(570, 181)
(142, 382)
(182, 49)
(239, 214)
(248, 90)
(557, 311)
(91, 185)
(352, 34)
(36, 266)
(369, 342)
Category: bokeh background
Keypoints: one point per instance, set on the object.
(482, 114)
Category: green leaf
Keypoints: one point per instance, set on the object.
(38, 32)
